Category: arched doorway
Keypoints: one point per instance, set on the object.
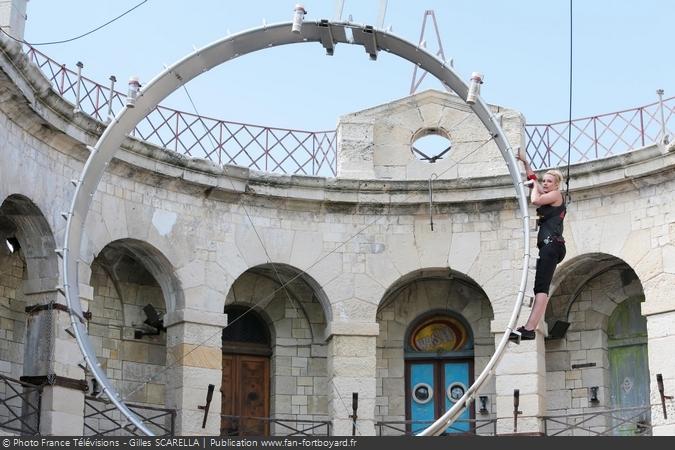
(245, 388)
(438, 369)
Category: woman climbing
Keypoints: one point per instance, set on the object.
(550, 214)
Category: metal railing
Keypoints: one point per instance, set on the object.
(19, 406)
(223, 142)
(102, 418)
(315, 153)
(611, 422)
(254, 426)
(477, 427)
(600, 136)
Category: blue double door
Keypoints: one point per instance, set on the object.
(433, 387)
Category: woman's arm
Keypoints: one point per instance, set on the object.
(530, 173)
(539, 198)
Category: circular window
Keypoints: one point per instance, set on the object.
(456, 391)
(431, 144)
(422, 393)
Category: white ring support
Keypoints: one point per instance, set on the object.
(214, 54)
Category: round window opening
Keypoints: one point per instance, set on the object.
(456, 391)
(431, 144)
(422, 393)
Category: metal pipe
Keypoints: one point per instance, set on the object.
(355, 407)
(78, 87)
(111, 93)
(664, 136)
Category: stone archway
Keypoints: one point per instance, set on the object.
(413, 302)
(599, 296)
(289, 307)
(36, 348)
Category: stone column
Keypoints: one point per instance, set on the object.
(351, 368)
(52, 356)
(194, 360)
(13, 17)
(522, 367)
(661, 341)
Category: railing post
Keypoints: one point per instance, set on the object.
(314, 145)
(267, 147)
(111, 93)
(547, 159)
(642, 126)
(63, 78)
(595, 135)
(220, 143)
(664, 136)
(176, 133)
(77, 88)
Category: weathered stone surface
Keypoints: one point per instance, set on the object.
(352, 260)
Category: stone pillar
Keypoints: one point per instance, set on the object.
(351, 368)
(661, 341)
(522, 367)
(194, 359)
(53, 356)
(13, 17)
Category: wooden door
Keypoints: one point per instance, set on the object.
(245, 394)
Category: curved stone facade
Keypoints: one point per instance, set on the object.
(338, 269)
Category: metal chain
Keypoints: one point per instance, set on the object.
(51, 376)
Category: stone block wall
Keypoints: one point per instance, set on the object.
(116, 314)
(377, 142)
(12, 314)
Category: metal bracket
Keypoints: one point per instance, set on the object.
(326, 37)
(516, 412)
(209, 397)
(664, 397)
(366, 37)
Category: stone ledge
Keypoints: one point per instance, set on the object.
(352, 329)
(193, 316)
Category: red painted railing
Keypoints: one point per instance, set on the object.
(315, 152)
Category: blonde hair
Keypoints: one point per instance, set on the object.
(555, 174)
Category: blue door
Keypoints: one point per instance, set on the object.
(422, 388)
(433, 387)
(456, 377)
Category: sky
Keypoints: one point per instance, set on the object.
(622, 53)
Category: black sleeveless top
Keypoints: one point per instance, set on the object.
(550, 221)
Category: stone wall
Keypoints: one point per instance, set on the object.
(12, 314)
(351, 239)
(136, 366)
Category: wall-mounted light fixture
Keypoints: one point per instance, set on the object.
(152, 320)
(593, 395)
(483, 399)
(12, 244)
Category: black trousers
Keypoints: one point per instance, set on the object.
(549, 256)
